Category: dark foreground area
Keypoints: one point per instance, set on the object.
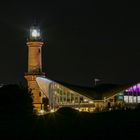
(18, 121)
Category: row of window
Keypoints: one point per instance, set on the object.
(132, 99)
(63, 95)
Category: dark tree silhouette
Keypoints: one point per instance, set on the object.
(16, 112)
(15, 99)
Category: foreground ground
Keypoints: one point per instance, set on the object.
(68, 124)
(18, 121)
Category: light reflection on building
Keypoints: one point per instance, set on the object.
(59, 96)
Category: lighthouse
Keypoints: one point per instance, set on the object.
(35, 44)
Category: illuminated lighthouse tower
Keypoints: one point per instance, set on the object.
(35, 44)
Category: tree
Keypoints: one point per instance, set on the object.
(15, 99)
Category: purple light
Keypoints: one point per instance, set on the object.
(134, 89)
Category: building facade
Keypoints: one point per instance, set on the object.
(88, 99)
(50, 95)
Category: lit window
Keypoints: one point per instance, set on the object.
(130, 99)
(138, 97)
(126, 99)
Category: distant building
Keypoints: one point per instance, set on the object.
(50, 95)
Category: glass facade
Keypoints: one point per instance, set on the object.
(62, 96)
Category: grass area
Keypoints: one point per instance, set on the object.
(18, 121)
(71, 124)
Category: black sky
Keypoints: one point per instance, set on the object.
(86, 40)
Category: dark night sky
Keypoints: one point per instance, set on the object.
(86, 40)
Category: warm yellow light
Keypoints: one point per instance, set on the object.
(85, 100)
(52, 110)
(41, 112)
(91, 102)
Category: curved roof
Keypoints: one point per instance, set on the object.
(43, 83)
(97, 92)
(100, 91)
